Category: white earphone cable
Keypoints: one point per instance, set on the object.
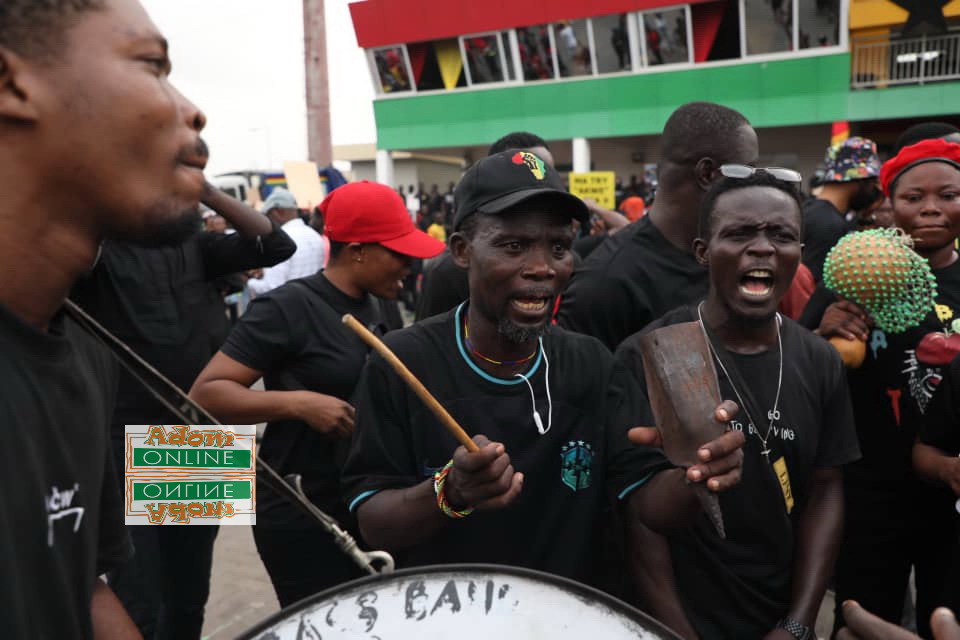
(537, 420)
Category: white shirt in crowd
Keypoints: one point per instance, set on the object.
(413, 205)
(306, 260)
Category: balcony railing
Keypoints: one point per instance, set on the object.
(885, 62)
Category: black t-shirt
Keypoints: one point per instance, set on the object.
(894, 386)
(940, 428)
(629, 281)
(892, 392)
(294, 335)
(940, 425)
(823, 226)
(163, 303)
(739, 587)
(444, 287)
(820, 299)
(585, 245)
(61, 514)
(570, 472)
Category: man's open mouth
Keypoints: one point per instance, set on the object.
(530, 304)
(757, 283)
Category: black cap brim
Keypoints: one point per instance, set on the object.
(570, 203)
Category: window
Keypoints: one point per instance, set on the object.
(485, 58)
(620, 42)
(436, 64)
(392, 70)
(573, 48)
(536, 52)
(665, 37)
(768, 25)
(819, 24)
(727, 44)
(611, 43)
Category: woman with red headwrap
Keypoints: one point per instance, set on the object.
(895, 522)
(935, 454)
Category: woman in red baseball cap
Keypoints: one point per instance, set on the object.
(310, 363)
(893, 521)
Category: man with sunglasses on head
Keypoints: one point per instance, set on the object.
(648, 268)
(783, 522)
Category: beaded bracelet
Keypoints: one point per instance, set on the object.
(439, 479)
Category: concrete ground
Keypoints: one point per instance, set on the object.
(240, 591)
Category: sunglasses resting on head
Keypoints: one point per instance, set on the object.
(741, 171)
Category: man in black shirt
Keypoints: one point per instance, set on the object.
(553, 406)
(94, 143)
(162, 302)
(849, 184)
(648, 268)
(783, 522)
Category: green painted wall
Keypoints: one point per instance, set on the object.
(771, 94)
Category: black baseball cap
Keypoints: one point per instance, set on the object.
(508, 178)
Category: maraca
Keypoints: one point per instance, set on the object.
(879, 270)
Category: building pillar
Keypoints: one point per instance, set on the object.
(384, 164)
(581, 155)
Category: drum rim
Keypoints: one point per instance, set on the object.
(577, 588)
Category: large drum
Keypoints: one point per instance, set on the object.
(460, 602)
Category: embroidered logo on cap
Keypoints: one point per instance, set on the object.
(532, 162)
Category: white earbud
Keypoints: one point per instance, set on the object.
(537, 420)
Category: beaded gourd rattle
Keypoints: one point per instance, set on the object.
(879, 270)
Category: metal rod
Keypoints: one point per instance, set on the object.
(187, 410)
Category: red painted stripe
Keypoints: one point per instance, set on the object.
(706, 20)
(379, 23)
(418, 56)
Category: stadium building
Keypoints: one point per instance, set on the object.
(598, 79)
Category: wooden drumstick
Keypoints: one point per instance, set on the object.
(445, 418)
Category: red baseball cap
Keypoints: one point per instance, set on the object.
(372, 212)
(934, 150)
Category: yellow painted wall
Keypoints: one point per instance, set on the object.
(867, 14)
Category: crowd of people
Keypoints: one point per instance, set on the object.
(529, 331)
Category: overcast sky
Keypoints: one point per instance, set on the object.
(241, 61)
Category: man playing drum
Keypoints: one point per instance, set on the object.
(553, 408)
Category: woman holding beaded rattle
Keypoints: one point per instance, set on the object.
(879, 270)
(895, 522)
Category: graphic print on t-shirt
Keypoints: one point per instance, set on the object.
(61, 509)
(878, 341)
(576, 465)
(778, 430)
(924, 365)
